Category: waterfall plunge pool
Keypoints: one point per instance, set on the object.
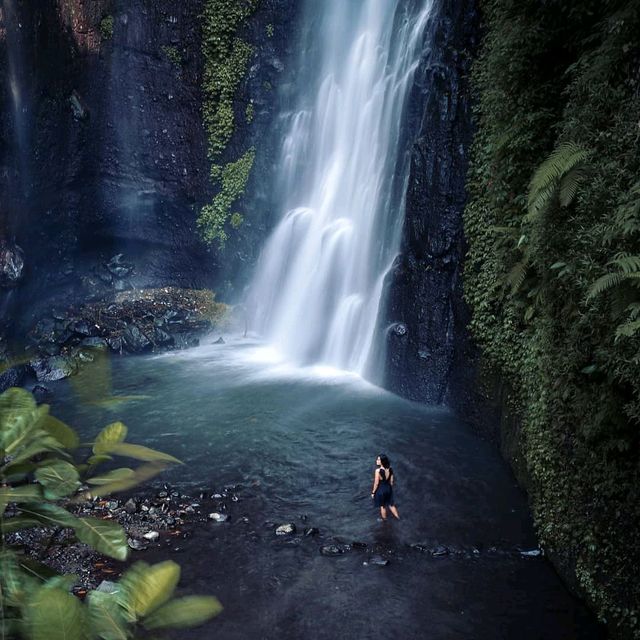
(302, 445)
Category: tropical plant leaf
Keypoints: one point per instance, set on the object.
(25, 493)
(141, 474)
(18, 523)
(113, 433)
(64, 434)
(138, 452)
(112, 476)
(190, 611)
(106, 618)
(59, 479)
(53, 614)
(18, 417)
(104, 536)
(145, 588)
(37, 444)
(50, 515)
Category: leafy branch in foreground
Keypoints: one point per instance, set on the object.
(37, 472)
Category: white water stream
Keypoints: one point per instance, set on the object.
(318, 284)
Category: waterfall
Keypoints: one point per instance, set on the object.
(343, 170)
(18, 78)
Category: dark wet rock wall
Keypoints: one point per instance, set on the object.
(425, 321)
(107, 154)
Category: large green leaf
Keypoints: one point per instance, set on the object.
(50, 515)
(124, 482)
(106, 619)
(104, 536)
(36, 444)
(18, 417)
(184, 612)
(64, 434)
(112, 476)
(17, 523)
(26, 493)
(146, 588)
(138, 452)
(59, 479)
(54, 614)
(110, 435)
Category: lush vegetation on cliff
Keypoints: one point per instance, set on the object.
(226, 57)
(553, 224)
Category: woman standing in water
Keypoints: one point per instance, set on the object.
(382, 492)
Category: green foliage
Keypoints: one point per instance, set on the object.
(553, 220)
(558, 176)
(226, 58)
(37, 470)
(213, 217)
(173, 55)
(249, 112)
(106, 27)
(269, 30)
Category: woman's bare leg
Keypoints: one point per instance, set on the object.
(394, 511)
(383, 513)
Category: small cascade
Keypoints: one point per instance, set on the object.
(317, 287)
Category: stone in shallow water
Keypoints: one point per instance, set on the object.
(136, 545)
(52, 369)
(532, 553)
(331, 550)
(220, 340)
(311, 531)
(218, 517)
(377, 561)
(151, 535)
(286, 529)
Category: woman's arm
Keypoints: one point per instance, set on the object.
(376, 479)
(391, 478)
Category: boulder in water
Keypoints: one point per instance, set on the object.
(54, 368)
(135, 341)
(11, 264)
(14, 377)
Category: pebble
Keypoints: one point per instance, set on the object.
(151, 535)
(136, 545)
(331, 550)
(130, 506)
(218, 517)
(311, 531)
(286, 529)
(377, 561)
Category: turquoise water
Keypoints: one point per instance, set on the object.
(302, 445)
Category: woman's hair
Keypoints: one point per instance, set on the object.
(384, 461)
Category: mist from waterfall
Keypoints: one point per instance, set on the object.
(318, 284)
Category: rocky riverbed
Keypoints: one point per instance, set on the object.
(130, 322)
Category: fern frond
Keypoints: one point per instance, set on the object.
(626, 263)
(605, 283)
(634, 310)
(545, 181)
(517, 275)
(628, 329)
(570, 184)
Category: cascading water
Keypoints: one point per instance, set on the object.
(318, 284)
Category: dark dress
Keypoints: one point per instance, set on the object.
(383, 497)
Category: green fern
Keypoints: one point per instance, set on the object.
(628, 272)
(559, 175)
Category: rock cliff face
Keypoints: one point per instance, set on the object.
(427, 346)
(105, 152)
